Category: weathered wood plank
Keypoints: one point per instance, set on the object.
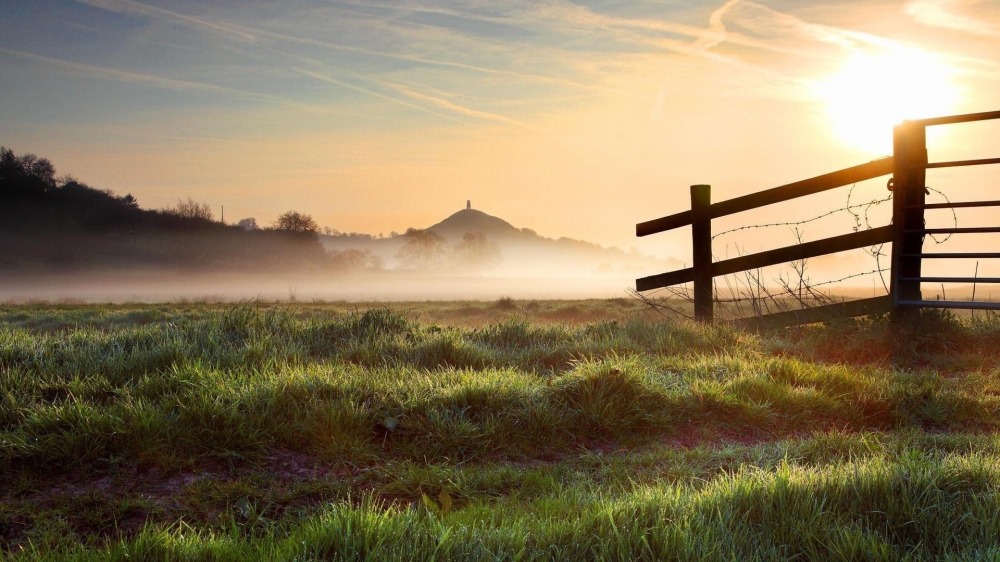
(701, 246)
(787, 192)
(970, 280)
(810, 186)
(966, 230)
(956, 255)
(909, 148)
(663, 224)
(955, 164)
(961, 205)
(848, 309)
(965, 305)
(949, 119)
(669, 279)
(802, 251)
(773, 257)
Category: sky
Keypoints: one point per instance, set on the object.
(576, 119)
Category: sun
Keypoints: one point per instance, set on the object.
(873, 92)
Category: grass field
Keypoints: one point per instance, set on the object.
(507, 430)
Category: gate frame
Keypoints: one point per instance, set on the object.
(908, 166)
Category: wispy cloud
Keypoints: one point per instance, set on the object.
(717, 30)
(139, 9)
(444, 63)
(419, 42)
(940, 13)
(259, 35)
(457, 108)
(782, 23)
(331, 80)
(91, 71)
(496, 117)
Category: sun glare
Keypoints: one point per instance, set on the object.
(873, 92)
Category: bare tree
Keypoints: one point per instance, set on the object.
(14, 166)
(294, 221)
(353, 259)
(192, 209)
(423, 249)
(476, 251)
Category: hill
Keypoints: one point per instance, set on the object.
(524, 252)
(473, 220)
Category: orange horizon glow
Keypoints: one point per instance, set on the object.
(575, 120)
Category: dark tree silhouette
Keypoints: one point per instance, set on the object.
(476, 251)
(57, 221)
(294, 221)
(28, 166)
(423, 249)
(192, 209)
(353, 260)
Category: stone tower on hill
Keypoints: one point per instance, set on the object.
(471, 220)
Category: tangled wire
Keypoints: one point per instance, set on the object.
(750, 289)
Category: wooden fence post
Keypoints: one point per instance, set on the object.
(908, 198)
(701, 243)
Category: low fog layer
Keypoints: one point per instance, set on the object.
(133, 286)
(61, 239)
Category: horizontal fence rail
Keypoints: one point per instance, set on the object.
(908, 166)
(962, 305)
(841, 243)
(787, 192)
(966, 230)
(959, 205)
(956, 255)
(972, 280)
(952, 119)
(847, 309)
(955, 164)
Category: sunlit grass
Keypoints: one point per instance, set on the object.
(249, 432)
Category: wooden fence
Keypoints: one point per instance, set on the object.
(908, 166)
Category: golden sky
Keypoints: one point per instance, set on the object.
(577, 119)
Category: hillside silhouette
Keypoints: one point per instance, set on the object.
(473, 220)
(523, 252)
(53, 223)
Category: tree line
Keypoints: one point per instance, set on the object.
(425, 249)
(52, 221)
(47, 221)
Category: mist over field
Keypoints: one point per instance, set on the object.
(64, 240)
(138, 286)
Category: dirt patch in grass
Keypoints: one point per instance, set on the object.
(120, 503)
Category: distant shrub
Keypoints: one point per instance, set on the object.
(299, 223)
(505, 303)
(192, 209)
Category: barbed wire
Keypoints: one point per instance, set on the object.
(848, 207)
(684, 288)
(954, 217)
(752, 289)
(758, 295)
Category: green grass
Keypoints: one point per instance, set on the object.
(226, 432)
